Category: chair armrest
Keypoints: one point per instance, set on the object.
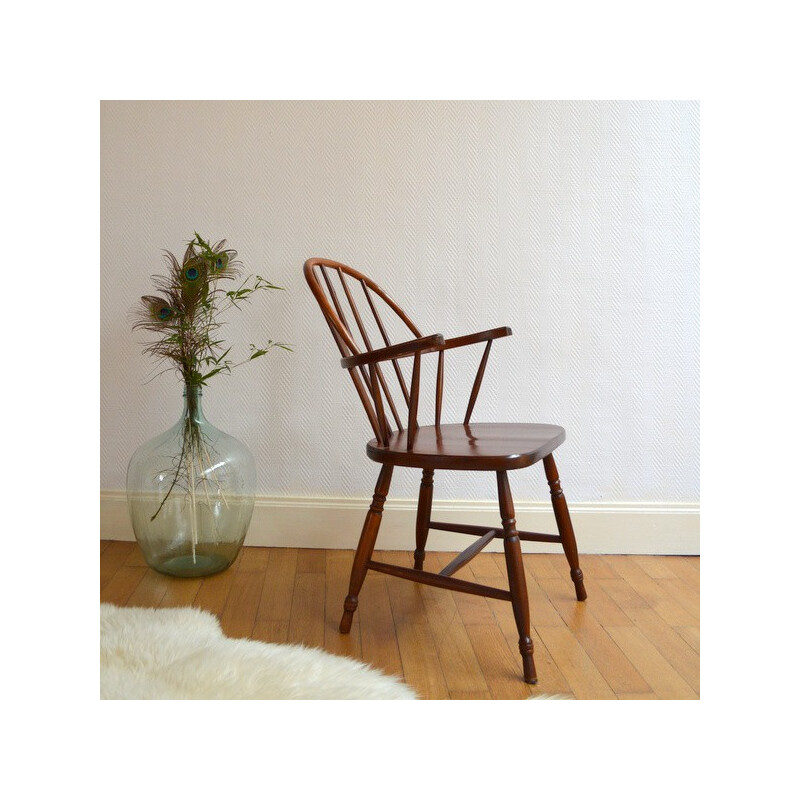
(402, 350)
(474, 338)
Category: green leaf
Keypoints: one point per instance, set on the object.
(219, 358)
(263, 283)
(214, 372)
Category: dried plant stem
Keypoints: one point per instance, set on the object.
(174, 480)
(193, 513)
(203, 478)
(205, 470)
(216, 479)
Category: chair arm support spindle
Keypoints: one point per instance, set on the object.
(439, 387)
(476, 386)
(413, 403)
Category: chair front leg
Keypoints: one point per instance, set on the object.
(564, 524)
(366, 544)
(516, 577)
(423, 516)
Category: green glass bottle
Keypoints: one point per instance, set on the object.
(191, 495)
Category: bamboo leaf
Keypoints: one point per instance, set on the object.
(213, 372)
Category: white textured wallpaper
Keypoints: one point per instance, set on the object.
(575, 223)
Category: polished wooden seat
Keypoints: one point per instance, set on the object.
(350, 303)
(478, 446)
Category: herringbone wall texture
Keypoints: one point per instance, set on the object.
(575, 223)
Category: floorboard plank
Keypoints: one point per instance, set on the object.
(584, 679)
(277, 592)
(379, 644)
(541, 565)
(653, 592)
(112, 558)
(668, 642)
(150, 590)
(458, 695)
(463, 675)
(214, 590)
(180, 592)
(122, 585)
(687, 597)
(645, 696)
(687, 568)
(691, 636)
(657, 567)
(416, 641)
(239, 616)
(311, 561)
(503, 667)
(654, 668)
(307, 620)
(603, 651)
(593, 568)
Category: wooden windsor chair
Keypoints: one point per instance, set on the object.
(497, 447)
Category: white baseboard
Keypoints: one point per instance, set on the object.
(335, 523)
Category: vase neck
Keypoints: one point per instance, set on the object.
(193, 403)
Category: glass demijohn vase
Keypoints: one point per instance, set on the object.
(191, 495)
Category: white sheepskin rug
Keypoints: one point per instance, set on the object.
(182, 654)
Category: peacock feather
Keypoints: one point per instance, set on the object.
(161, 311)
(184, 310)
(193, 283)
(217, 263)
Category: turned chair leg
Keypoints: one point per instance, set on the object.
(564, 524)
(516, 577)
(423, 516)
(366, 544)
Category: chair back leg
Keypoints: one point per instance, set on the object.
(366, 544)
(516, 577)
(423, 516)
(564, 524)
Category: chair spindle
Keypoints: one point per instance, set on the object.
(477, 385)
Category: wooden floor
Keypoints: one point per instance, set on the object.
(636, 637)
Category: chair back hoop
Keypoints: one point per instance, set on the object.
(335, 287)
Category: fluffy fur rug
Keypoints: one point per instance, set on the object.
(182, 654)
